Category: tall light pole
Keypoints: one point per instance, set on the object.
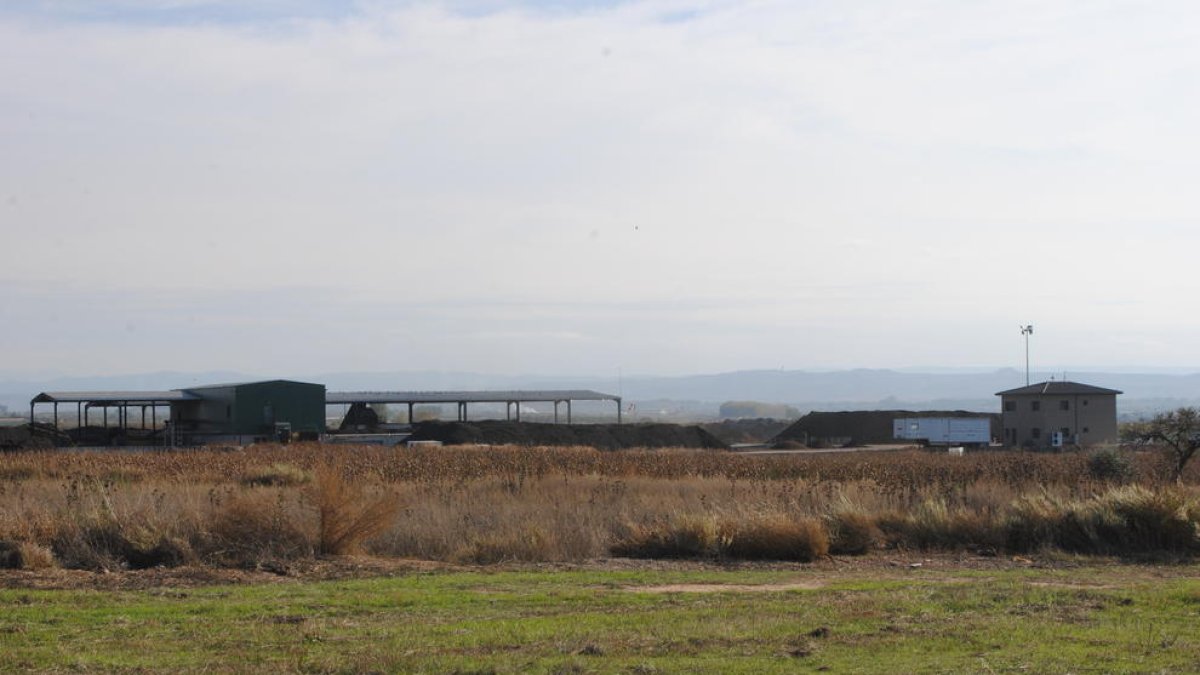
(1027, 331)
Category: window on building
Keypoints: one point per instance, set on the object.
(1035, 406)
(1010, 406)
(1064, 405)
(1066, 432)
(1035, 432)
(1085, 401)
(228, 411)
(1085, 430)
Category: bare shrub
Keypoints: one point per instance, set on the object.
(25, 555)
(104, 544)
(91, 544)
(1110, 464)
(775, 537)
(168, 551)
(346, 517)
(35, 556)
(256, 529)
(853, 533)
(682, 537)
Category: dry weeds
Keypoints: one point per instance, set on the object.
(268, 507)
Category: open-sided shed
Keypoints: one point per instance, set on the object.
(237, 412)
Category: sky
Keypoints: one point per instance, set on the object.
(570, 188)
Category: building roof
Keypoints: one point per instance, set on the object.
(233, 385)
(196, 394)
(1057, 388)
(102, 397)
(524, 396)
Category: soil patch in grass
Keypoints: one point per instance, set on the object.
(730, 588)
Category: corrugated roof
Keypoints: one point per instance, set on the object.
(524, 396)
(229, 385)
(1057, 388)
(187, 394)
(114, 396)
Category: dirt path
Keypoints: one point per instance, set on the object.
(808, 575)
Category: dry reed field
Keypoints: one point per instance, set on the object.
(266, 506)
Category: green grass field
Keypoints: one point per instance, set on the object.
(1106, 618)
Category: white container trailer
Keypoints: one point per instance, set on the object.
(943, 430)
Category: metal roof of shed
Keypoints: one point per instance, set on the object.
(234, 385)
(114, 396)
(524, 396)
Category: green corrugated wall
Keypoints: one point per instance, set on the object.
(299, 403)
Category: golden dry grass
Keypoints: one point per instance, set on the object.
(266, 505)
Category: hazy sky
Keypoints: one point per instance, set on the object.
(577, 187)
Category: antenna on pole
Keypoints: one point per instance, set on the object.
(1027, 331)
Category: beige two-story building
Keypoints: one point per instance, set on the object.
(1054, 414)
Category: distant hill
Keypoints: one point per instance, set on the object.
(696, 396)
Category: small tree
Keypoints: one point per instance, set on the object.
(1179, 432)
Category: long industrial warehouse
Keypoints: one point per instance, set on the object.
(247, 411)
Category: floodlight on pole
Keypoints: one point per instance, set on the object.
(1027, 331)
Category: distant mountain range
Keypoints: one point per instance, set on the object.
(696, 395)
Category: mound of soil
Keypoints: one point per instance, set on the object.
(36, 436)
(757, 430)
(360, 417)
(602, 436)
(862, 427)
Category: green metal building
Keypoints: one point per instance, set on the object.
(250, 410)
